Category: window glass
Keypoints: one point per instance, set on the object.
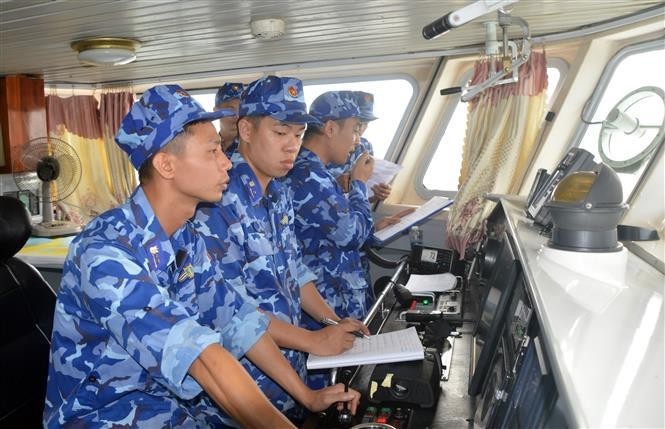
(206, 97)
(391, 98)
(628, 120)
(442, 172)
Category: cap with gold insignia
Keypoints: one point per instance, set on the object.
(281, 98)
(229, 91)
(155, 119)
(365, 102)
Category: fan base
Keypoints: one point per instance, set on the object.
(55, 229)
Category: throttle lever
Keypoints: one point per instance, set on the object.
(345, 417)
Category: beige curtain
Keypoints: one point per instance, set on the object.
(122, 176)
(502, 126)
(78, 122)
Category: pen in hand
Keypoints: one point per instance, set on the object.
(330, 322)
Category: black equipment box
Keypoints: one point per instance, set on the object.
(430, 260)
(414, 383)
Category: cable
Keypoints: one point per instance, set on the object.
(379, 260)
(588, 122)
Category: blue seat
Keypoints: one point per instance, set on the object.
(27, 303)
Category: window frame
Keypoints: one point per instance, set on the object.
(401, 127)
(421, 190)
(592, 104)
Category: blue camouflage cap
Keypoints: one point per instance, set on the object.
(333, 105)
(365, 102)
(281, 98)
(228, 91)
(155, 119)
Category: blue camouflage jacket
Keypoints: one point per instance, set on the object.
(338, 170)
(331, 228)
(134, 310)
(251, 237)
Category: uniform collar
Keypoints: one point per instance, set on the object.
(250, 182)
(233, 148)
(154, 240)
(308, 155)
(313, 163)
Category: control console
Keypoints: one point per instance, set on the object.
(395, 415)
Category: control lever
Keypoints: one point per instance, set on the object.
(345, 417)
(403, 295)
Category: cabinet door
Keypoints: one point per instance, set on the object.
(22, 116)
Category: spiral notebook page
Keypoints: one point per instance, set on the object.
(396, 346)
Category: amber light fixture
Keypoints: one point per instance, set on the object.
(106, 51)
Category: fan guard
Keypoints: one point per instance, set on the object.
(54, 166)
(43, 153)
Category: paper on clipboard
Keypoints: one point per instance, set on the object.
(434, 205)
(384, 172)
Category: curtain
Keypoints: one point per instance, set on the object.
(113, 107)
(502, 126)
(77, 121)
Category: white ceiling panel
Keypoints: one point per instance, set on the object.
(181, 38)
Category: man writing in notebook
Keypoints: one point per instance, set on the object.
(146, 333)
(251, 238)
(330, 225)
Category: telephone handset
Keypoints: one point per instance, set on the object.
(543, 185)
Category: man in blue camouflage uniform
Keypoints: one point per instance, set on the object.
(228, 97)
(250, 232)
(381, 191)
(330, 225)
(134, 340)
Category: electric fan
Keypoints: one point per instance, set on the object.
(53, 167)
(633, 129)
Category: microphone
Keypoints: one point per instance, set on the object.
(438, 27)
(345, 417)
(403, 295)
(460, 17)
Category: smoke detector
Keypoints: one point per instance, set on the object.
(268, 28)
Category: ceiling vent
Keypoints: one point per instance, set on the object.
(268, 28)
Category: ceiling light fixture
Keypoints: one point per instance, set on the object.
(106, 51)
(268, 28)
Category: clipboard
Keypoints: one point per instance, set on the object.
(424, 212)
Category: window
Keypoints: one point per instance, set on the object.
(630, 92)
(206, 98)
(442, 171)
(391, 99)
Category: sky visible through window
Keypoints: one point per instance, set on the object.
(391, 97)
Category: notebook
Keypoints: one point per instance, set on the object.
(396, 346)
